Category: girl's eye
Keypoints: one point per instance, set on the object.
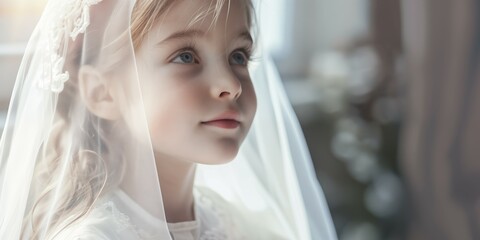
(239, 58)
(185, 58)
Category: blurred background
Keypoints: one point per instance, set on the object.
(388, 96)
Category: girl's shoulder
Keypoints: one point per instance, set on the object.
(238, 221)
(232, 218)
(114, 217)
(103, 222)
(218, 217)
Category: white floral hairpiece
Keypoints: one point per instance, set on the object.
(71, 19)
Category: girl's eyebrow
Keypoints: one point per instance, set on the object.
(191, 33)
(246, 36)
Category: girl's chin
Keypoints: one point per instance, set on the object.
(217, 160)
(223, 157)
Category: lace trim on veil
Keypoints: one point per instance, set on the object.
(70, 20)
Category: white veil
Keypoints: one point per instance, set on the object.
(57, 160)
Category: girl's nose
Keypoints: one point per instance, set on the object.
(226, 85)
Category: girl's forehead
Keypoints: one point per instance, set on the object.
(204, 16)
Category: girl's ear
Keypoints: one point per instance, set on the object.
(97, 94)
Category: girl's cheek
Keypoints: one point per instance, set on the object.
(185, 71)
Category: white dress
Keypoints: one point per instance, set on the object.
(119, 217)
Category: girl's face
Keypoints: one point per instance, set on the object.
(198, 96)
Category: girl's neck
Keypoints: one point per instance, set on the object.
(176, 181)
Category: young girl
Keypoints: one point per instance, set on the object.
(126, 122)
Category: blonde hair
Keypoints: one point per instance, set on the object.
(88, 170)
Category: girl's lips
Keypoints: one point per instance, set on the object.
(223, 123)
